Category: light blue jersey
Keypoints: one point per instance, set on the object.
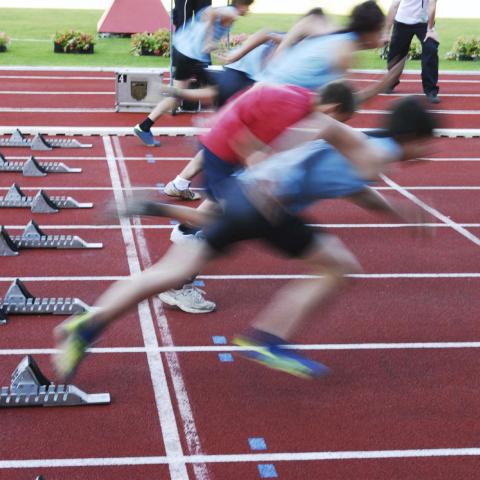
(312, 172)
(309, 63)
(190, 39)
(253, 62)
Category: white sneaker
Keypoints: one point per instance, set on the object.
(171, 190)
(178, 237)
(189, 299)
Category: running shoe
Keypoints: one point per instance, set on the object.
(190, 299)
(171, 190)
(145, 137)
(180, 237)
(72, 344)
(433, 98)
(278, 357)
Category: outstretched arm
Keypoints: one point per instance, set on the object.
(308, 26)
(398, 209)
(382, 85)
(252, 42)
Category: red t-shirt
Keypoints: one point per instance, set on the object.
(265, 110)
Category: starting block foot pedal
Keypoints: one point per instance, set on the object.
(19, 301)
(39, 142)
(33, 168)
(33, 237)
(40, 203)
(29, 387)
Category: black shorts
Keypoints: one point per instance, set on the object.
(242, 221)
(187, 68)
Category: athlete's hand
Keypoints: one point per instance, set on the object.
(433, 35)
(417, 216)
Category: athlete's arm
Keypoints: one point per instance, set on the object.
(431, 33)
(252, 42)
(382, 85)
(392, 12)
(306, 27)
(405, 211)
(210, 16)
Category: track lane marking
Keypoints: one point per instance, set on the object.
(432, 211)
(241, 458)
(367, 276)
(166, 414)
(183, 402)
(231, 348)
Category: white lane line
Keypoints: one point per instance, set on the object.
(232, 348)
(128, 159)
(242, 458)
(313, 225)
(409, 80)
(190, 429)
(54, 77)
(446, 159)
(367, 276)
(183, 131)
(57, 110)
(440, 112)
(198, 189)
(166, 414)
(432, 211)
(33, 92)
(459, 95)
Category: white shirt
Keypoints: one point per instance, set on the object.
(412, 11)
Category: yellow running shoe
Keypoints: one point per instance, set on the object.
(72, 344)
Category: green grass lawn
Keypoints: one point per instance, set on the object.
(32, 31)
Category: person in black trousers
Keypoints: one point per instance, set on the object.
(409, 18)
(185, 9)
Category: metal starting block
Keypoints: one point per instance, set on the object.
(39, 142)
(30, 388)
(34, 237)
(33, 168)
(19, 301)
(40, 203)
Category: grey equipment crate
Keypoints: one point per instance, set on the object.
(137, 90)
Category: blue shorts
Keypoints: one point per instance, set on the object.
(216, 172)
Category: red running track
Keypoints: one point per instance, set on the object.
(385, 394)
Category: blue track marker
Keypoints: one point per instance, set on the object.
(199, 283)
(219, 340)
(149, 158)
(225, 357)
(174, 222)
(267, 470)
(257, 443)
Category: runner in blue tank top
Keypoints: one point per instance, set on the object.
(262, 205)
(310, 55)
(192, 45)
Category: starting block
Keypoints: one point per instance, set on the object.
(34, 237)
(33, 168)
(40, 203)
(30, 388)
(39, 142)
(19, 301)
